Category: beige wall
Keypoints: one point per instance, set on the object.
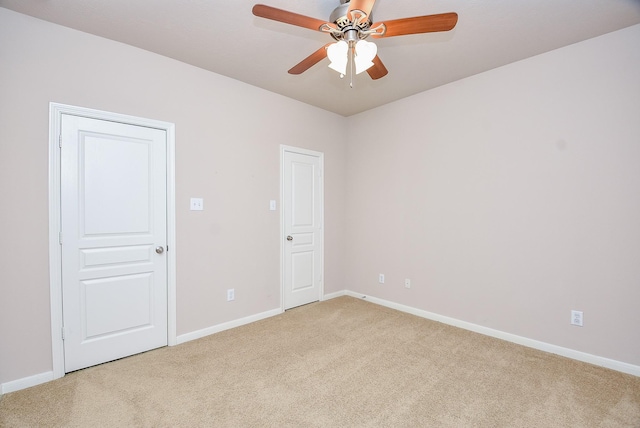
(510, 198)
(227, 151)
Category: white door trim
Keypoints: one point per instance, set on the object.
(284, 149)
(56, 111)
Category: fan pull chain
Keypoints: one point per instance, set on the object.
(351, 61)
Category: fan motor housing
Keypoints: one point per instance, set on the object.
(340, 18)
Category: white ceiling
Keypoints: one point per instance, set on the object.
(225, 37)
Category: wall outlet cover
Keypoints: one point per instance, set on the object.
(197, 204)
(576, 318)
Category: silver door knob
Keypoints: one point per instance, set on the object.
(160, 250)
(289, 238)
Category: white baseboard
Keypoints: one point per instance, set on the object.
(243, 321)
(226, 326)
(524, 341)
(334, 295)
(26, 382)
(34, 380)
(631, 369)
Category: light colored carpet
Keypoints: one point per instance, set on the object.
(340, 363)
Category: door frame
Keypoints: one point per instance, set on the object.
(56, 110)
(284, 149)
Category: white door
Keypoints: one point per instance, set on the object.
(302, 218)
(113, 222)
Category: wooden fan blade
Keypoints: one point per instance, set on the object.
(363, 5)
(419, 24)
(310, 61)
(378, 70)
(264, 11)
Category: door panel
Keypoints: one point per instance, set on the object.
(114, 180)
(302, 266)
(303, 246)
(303, 189)
(107, 258)
(128, 296)
(113, 211)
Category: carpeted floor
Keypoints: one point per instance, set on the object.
(339, 363)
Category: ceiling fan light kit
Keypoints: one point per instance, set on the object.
(359, 54)
(350, 24)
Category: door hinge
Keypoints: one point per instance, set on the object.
(60, 237)
(60, 141)
(62, 330)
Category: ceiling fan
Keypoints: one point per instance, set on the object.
(350, 24)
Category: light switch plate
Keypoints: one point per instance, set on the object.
(272, 205)
(197, 204)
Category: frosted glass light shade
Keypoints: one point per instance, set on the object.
(365, 53)
(338, 55)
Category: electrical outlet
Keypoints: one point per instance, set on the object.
(407, 283)
(381, 278)
(576, 318)
(231, 294)
(197, 204)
